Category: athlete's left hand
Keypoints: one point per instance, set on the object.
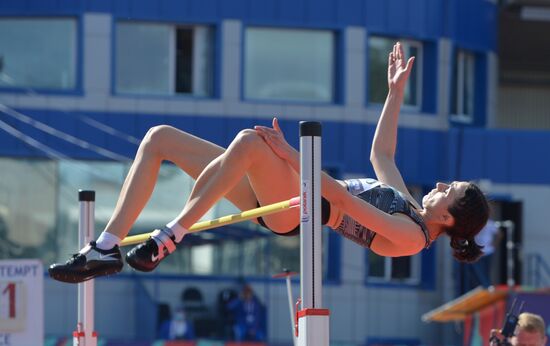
(275, 138)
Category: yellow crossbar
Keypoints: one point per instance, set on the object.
(224, 220)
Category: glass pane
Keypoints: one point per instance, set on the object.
(195, 60)
(284, 253)
(254, 260)
(38, 53)
(376, 265)
(151, 73)
(455, 87)
(228, 258)
(285, 64)
(28, 191)
(401, 267)
(379, 48)
(468, 105)
(411, 90)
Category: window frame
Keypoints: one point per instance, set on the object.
(413, 280)
(463, 59)
(77, 54)
(172, 63)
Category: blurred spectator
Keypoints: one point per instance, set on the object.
(226, 316)
(250, 316)
(178, 327)
(530, 331)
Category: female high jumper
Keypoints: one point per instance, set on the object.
(259, 168)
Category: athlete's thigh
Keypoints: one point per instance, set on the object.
(274, 180)
(192, 154)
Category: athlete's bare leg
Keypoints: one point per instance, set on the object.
(190, 153)
(271, 178)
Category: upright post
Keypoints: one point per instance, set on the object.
(312, 318)
(85, 334)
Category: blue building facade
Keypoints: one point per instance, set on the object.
(107, 71)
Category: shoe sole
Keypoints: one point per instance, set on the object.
(138, 267)
(76, 279)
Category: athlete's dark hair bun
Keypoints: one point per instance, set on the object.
(466, 250)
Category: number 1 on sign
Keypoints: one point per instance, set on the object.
(13, 305)
(10, 291)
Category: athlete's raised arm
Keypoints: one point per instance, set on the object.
(382, 154)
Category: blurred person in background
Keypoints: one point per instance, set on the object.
(178, 327)
(250, 316)
(530, 331)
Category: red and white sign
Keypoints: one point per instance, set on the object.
(21, 303)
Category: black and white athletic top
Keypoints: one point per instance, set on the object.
(383, 197)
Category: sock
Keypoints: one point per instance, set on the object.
(107, 241)
(177, 230)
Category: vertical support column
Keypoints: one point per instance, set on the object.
(85, 334)
(312, 319)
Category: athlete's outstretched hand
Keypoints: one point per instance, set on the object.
(398, 71)
(275, 138)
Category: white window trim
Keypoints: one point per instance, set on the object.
(461, 59)
(172, 60)
(418, 65)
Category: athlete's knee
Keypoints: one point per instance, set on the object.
(249, 142)
(156, 139)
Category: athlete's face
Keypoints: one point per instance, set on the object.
(442, 197)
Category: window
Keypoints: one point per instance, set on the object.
(38, 53)
(162, 59)
(393, 269)
(379, 48)
(462, 97)
(291, 65)
(22, 208)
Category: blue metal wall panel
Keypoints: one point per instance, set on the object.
(235, 9)
(398, 17)
(408, 152)
(350, 12)
(122, 9)
(262, 11)
(174, 10)
(291, 11)
(433, 160)
(472, 158)
(8, 143)
(332, 144)
(41, 6)
(472, 24)
(497, 154)
(99, 6)
(205, 10)
(321, 12)
(417, 18)
(144, 9)
(529, 156)
(376, 16)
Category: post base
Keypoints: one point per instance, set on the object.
(313, 327)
